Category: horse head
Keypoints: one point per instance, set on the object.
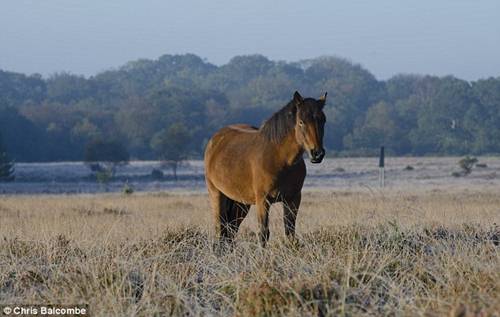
(310, 125)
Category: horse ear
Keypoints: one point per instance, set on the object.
(297, 98)
(322, 99)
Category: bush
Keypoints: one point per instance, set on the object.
(457, 174)
(157, 174)
(104, 176)
(466, 164)
(102, 156)
(127, 189)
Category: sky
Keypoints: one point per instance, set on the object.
(387, 37)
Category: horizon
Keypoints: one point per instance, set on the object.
(118, 67)
(389, 38)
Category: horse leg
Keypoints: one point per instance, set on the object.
(226, 218)
(290, 210)
(238, 213)
(263, 218)
(219, 209)
(231, 214)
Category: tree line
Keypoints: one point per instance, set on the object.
(146, 103)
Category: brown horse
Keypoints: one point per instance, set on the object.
(248, 166)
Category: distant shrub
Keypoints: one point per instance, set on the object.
(466, 164)
(105, 156)
(95, 167)
(157, 174)
(127, 189)
(457, 174)
(481, 165)
(409, 168)
(339, 169)
(104, 176)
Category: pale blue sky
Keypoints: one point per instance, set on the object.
(459, 37)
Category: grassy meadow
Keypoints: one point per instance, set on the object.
(360, 252)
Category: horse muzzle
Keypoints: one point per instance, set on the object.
(317, 155)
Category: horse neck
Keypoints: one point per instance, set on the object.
(289, 150)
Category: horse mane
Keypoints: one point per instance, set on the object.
(277, 127)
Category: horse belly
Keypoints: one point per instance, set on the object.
(237, 191)
(229, 170)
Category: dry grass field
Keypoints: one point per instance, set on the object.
(361, 252)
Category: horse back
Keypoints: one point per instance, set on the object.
(232, 142)
(245, 128)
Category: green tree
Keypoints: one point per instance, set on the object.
(21, 136)
(67, 88)
(379, 128)
(170, 145)
(52, 119)
(18, 89)
(484, 119)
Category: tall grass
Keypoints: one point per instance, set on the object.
(359, 253)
